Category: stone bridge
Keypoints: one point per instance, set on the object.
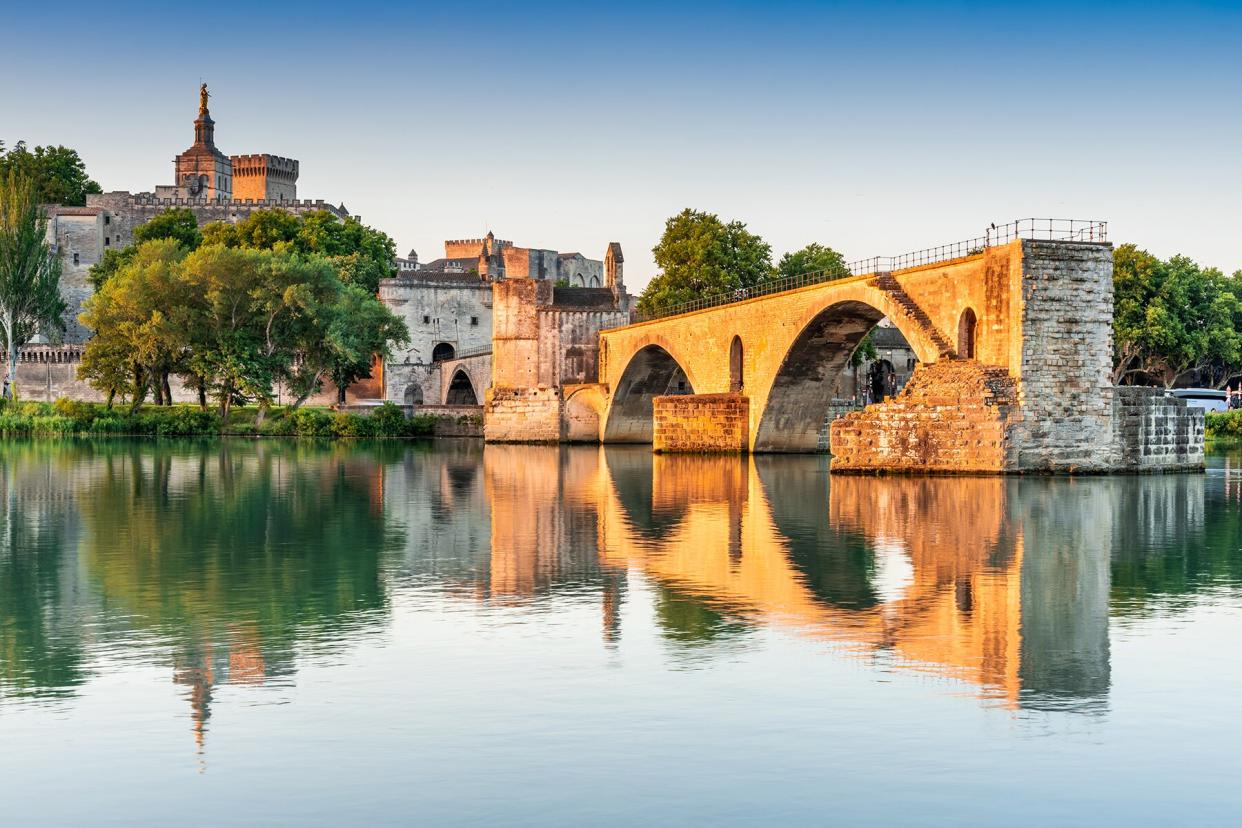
(1015, 350)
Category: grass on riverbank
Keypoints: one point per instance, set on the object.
(65, 417)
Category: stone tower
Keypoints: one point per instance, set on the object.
(264, 177)
(614, 269)
(202, 171)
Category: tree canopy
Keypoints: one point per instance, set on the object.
(362, 255)
(58, 173)
(232, 322)
(813, 258)
(1174, 319)
(699, 255)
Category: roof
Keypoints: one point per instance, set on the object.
(580, 297)
(463, 263)
(61, 210)
(884, 336)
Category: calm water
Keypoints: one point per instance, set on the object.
(258, 632)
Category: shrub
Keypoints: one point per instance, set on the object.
(183, 421)
(422, 425)
(12, 423)
(53, 424)
(312, 422)
(389, 421)
(352, 425)
(82, 413)
(1223, 423)
(112, 424)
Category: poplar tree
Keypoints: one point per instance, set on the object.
(30, 299)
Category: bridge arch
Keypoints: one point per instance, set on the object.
(803, 386)
(461, 390)
(584, 407)
(652, 371)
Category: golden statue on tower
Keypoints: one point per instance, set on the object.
(203, 95)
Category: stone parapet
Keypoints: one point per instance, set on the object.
(707, 423)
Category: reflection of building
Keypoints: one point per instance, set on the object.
(241, 663)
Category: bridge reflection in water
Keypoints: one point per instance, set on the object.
(1002, 583)
(232, 562)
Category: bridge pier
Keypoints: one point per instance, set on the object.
(701, 423)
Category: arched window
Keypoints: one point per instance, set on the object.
(966, 334)
(594, 281)
(442, 352)
(460, 391)
(736, 379)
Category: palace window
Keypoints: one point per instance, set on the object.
(75, 258)
(426, 319)
(474, 320)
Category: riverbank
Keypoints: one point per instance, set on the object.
(68, 417)
(1223, 425)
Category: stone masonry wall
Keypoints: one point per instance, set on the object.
(1156, 432)
(706, 423)
(1067, 327)
(522, 415)
(953, 416)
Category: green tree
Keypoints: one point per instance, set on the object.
(360, 329)
(137, 316)
(361, 255)
(1171, 318)
(701, 256)
(813, 258)
(58, 173)
(30, 299)
(176, 223)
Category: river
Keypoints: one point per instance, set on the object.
(258, 632)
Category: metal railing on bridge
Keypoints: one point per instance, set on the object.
(1083, 230)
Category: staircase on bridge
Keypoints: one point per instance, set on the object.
(913, 313)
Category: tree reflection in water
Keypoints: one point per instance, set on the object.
(227, 561)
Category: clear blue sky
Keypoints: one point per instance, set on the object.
(873, 128)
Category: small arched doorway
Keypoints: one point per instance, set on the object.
(736, 377)
(413, 394)
(442, 352)
(461, 391)
(967, 330)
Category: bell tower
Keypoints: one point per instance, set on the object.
(202, 171)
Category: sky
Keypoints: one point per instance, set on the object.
(873, 128)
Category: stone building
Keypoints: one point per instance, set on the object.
(447, 304)
(213, 186)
